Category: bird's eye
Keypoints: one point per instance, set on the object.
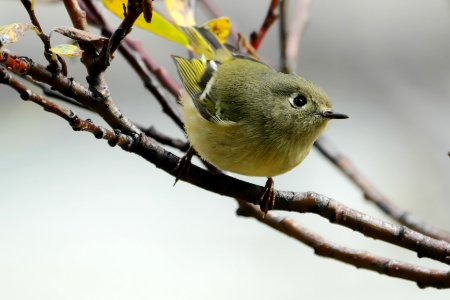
(298, 100)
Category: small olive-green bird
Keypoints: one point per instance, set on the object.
(245, 117)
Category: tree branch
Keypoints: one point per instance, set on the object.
(77, 15)
(53, 64)
(373, 195)
(361, 259)
(272, 15)
(114, 138)
(69, 87)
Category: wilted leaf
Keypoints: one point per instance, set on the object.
(11, 33)
(80, 35)
(66, 50)
(220, 27)
(159, 24)
(181, 11)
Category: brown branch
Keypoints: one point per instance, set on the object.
(165, 139)
(77, 15)
(340, 214)
(55, 94)
(373, 195)
(53, 64)
(161, 73)
(70, 88)
(168, 107)
(97, 19)
(272, 15)
(361, 259)
(150, 131)
(133, 11)
(114, 138)
(283, 36)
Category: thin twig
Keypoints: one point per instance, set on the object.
(96, 18)
(283, 35)
(373, 195)
(168, 107)
(133, 11)
(54, 94)
(361, 259)
(338, 213)
(114, 138)
(77, 15)
(70, 88)
(165, 139)
(272, 15)
(53, 64)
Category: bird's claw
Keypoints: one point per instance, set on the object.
(183, 164)
(266, 199)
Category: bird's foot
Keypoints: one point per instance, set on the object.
(183, 164)
(266, 199)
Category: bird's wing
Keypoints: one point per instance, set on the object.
(197, 76)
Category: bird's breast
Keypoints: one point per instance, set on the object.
(241, 148)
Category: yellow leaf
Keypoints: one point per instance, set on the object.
(220, 27)
(66, 50)
(11, 33)
(181, 11)
(159, 24)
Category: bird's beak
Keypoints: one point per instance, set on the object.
(333, 115)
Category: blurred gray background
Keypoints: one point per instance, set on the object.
(82, 220)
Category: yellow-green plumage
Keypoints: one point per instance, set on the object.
(243, 116)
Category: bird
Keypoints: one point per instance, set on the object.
(243, 116)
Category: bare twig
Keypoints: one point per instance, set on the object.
(340, 214)
(272, 15)
(97, 19)
(283, 36)
(70, 88)
(77, 15)
(54, 94)
(169, 107)
(373, 195)
(113, 137)
(161, 73)
(133, 11)
(165, 139)
(295, 33)
(53, 64)
(361, 259)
